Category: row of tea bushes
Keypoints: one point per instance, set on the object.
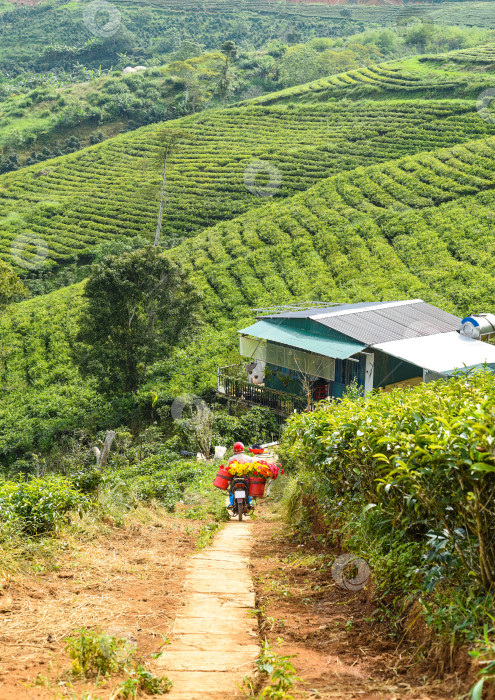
(406, 480)
(62, 208)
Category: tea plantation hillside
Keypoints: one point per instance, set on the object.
(421, 226)
(62, 208)
(56, 34)
(476, 58)
(421, 77)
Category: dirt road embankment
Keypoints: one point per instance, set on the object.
(340, 650)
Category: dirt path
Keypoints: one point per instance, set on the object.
(214, 638)
(139, 582)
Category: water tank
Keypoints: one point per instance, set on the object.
(480, 327)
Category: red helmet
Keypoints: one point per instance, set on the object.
(238, 447)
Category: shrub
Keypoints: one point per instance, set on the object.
(86, 480)
(95, 654)
(407, 480)
(37, 506)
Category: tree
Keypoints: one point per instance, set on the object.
(420, 35)
(196, 74)
(138, 307)
(188, 49)
(200, 424)
(307, 380)
(229, 50)
(299, 65)
(10, 286)
(170, 139)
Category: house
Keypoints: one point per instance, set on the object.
(302, 353)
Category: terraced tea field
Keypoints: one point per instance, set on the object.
(385, 80)
(483, 55)
(419, 226)
(471, 14)
(389, 13)
(63, 207)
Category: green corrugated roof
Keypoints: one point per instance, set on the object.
(329, 347)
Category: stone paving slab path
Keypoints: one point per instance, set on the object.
(215, 639)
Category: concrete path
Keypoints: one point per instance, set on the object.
(215, 640)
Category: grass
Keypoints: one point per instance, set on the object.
(275, 673)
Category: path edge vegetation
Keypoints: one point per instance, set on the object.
(406, 481)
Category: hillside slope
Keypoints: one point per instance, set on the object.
(421, 226)
(53, 211)
(479, 57)
(57, 35)
(429, 77)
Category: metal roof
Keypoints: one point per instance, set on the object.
(315, 310)
(337, 348)
(381, 322)
(441, 353)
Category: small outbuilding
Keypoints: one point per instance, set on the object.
(303, 353)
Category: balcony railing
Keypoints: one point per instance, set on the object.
(255, 395)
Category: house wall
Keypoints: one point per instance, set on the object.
(346, 372)
(290, 381)
(387, 370)
(390, 370)
(283, 379)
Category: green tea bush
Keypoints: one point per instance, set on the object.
(86, 480)
(408, 478)
(153, 479)
(39, 505)
(206, 185)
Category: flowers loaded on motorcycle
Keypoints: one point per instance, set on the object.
(260, 468)
(255, 472)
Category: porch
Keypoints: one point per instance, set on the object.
(279, 402)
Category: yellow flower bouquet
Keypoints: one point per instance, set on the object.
(249, 469)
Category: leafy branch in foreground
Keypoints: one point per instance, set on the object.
(485, 654)
(278, 670)
(95, 655)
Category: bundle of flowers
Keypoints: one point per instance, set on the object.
(276, 469)
(260, 468)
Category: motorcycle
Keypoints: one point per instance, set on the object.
(239, 487)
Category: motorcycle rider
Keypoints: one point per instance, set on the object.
(242, 458)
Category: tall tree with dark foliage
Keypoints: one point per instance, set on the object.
(138, 307)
